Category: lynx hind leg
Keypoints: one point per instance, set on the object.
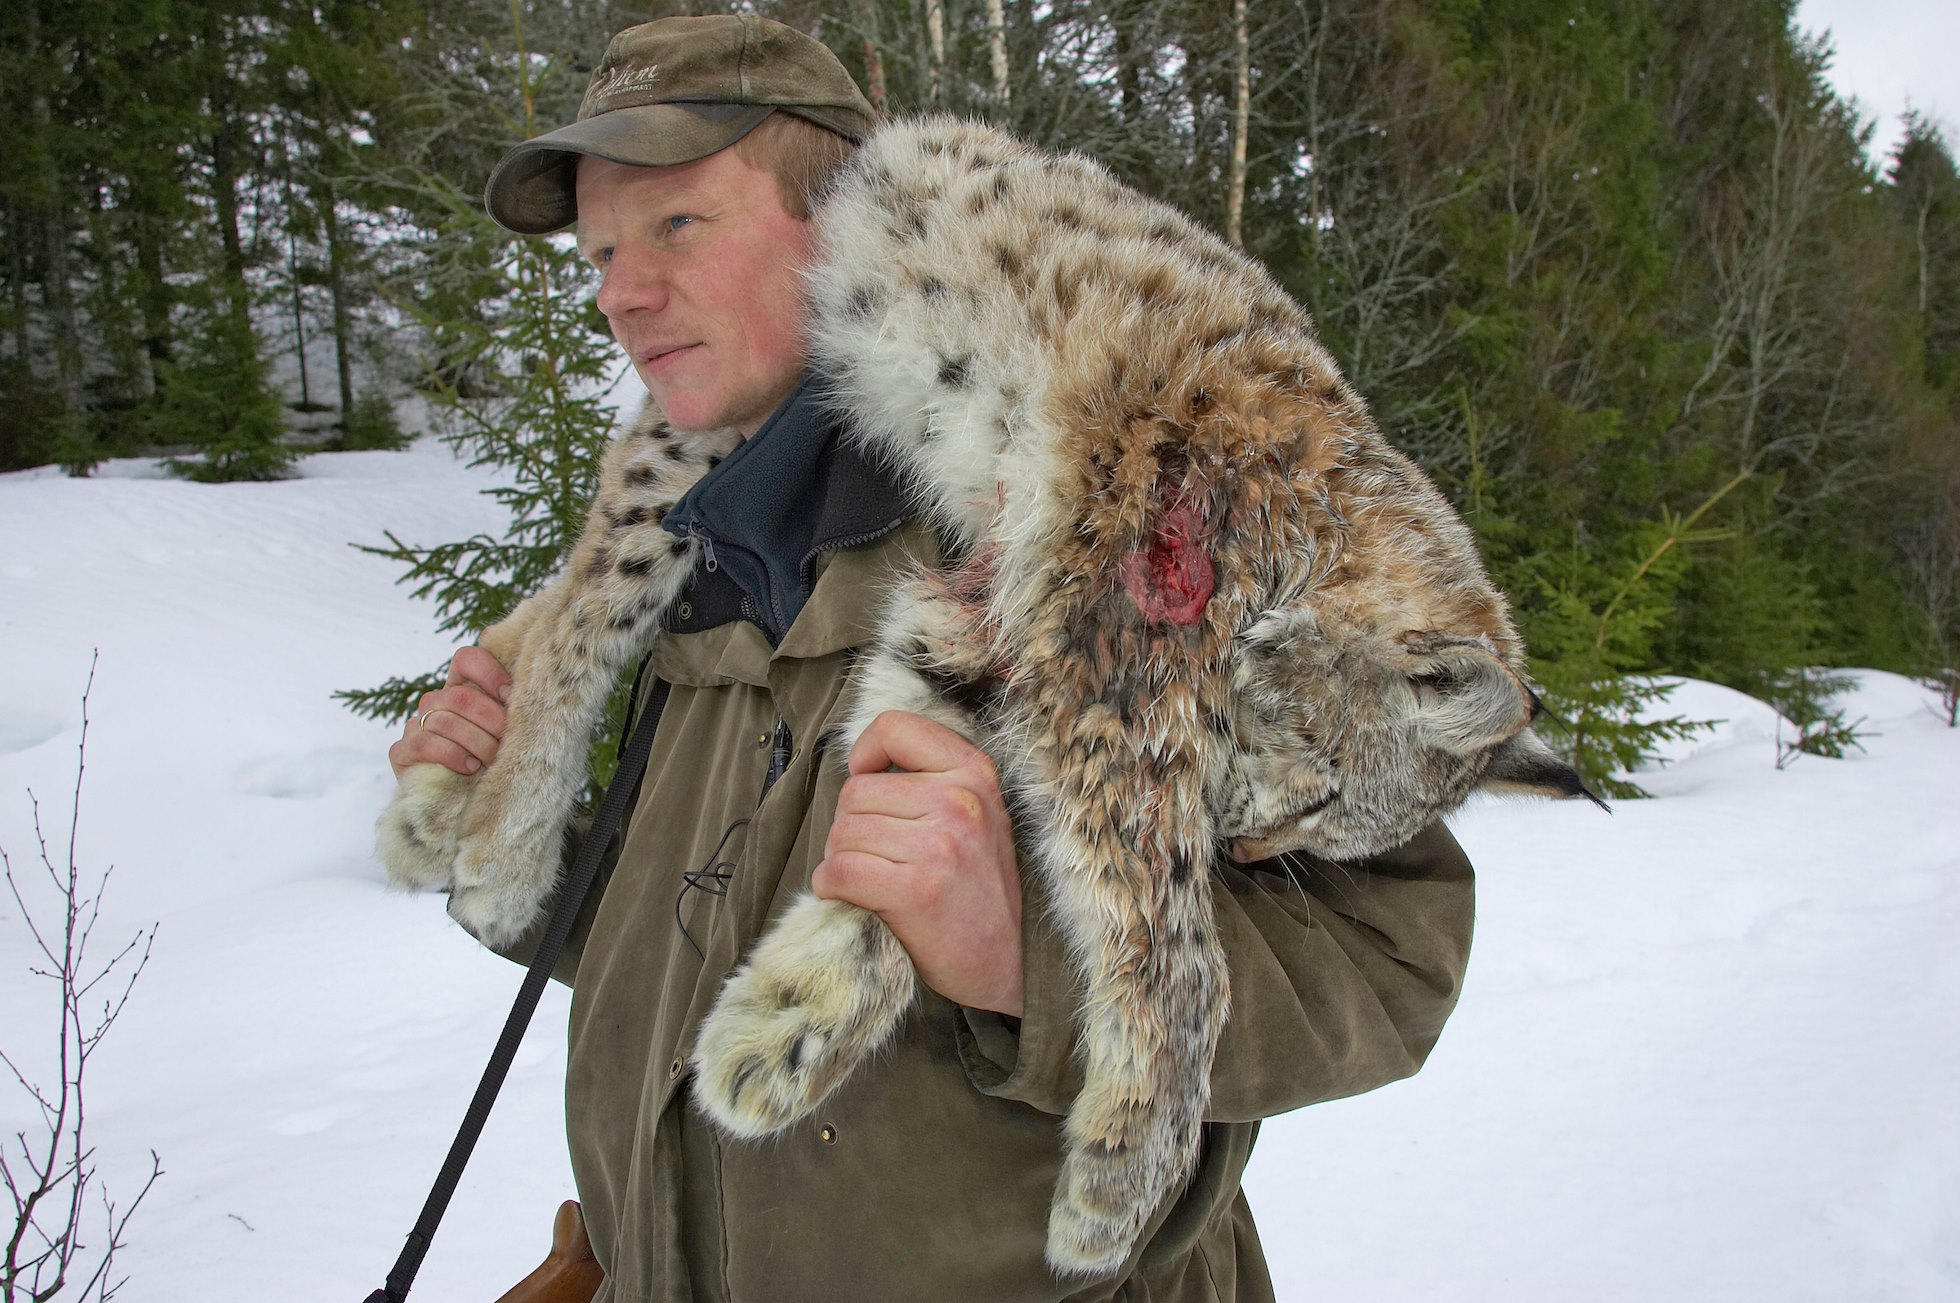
(1154, 1003)
(932, 659)
(821, 993)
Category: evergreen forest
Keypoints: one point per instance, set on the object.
(1619, 274)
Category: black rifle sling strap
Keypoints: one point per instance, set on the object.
(572, 893)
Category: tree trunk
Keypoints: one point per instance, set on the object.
(936, 49)
(997, 47)
(58, 292)
(1241, 124)
(224, 142)
(299, 320)
(1926, 360)
(1129, 84)
(57, 286)
(293, 274)
(1194, 94)
(224, 194)
(17, 286)
(153, 292)
(343, 344)
(874, 65)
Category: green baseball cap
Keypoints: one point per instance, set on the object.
(670, 92)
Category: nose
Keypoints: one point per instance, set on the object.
(633, 281)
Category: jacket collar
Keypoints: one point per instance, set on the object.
(788, 496)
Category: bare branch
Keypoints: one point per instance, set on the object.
(26, 914)
(46, 1248)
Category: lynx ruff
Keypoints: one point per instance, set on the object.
(1198, 600)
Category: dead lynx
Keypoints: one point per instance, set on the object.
(1199, 602)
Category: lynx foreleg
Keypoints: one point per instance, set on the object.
(822, 991)
(579, 641)
(421, 830)
(421, 827)
(1154, 1002)
(494, 839)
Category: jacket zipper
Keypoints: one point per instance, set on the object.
(697, 534)
(809, 560)
(779, 756)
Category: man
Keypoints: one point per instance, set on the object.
(690, 175)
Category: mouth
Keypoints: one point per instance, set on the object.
(1278, 838)
(653, 357)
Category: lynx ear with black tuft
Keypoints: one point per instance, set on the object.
(1525, 766)
(1467, 699)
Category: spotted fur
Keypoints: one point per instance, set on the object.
(493, 841)
(1199, 600)
(1202, 600)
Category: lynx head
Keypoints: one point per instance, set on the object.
(1350, 739)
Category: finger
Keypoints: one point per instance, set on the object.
(476, 742)
(918, 843)
(866, 880)
(900, 740)
(475, 666)
(959, 795)
(468, 701)
(422, 747)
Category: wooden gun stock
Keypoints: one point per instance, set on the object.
(569, 1273)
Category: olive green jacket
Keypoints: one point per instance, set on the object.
(927, 1176)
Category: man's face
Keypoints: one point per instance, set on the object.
(701, 283)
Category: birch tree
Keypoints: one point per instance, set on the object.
(1241, 123)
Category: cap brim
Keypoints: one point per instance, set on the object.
(532, 189)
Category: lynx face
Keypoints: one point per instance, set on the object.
(1349, 739)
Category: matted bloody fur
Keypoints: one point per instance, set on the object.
(1199, 600)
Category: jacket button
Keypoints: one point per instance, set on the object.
(828, 1134)
(675, 1069)
(686, 610)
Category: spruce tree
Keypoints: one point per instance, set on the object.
(518, 383)
(219, 400)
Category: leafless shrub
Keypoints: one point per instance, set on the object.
(50, 1169)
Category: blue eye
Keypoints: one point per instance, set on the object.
(678, 220)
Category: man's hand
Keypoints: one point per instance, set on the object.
(930, 851)
(460, 724)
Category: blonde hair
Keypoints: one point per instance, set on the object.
(802, 156)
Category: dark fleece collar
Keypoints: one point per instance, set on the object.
(786, 494)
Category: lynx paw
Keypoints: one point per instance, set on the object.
(503, 882)
(417, 836)
(824, 989)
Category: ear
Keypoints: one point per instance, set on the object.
(1525, 766)
(1467, 699)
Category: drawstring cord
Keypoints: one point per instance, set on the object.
(717, 871)
(714, 876)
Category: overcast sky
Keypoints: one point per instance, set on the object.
(1891, 53)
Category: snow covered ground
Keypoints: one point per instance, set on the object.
(1708, 1049)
